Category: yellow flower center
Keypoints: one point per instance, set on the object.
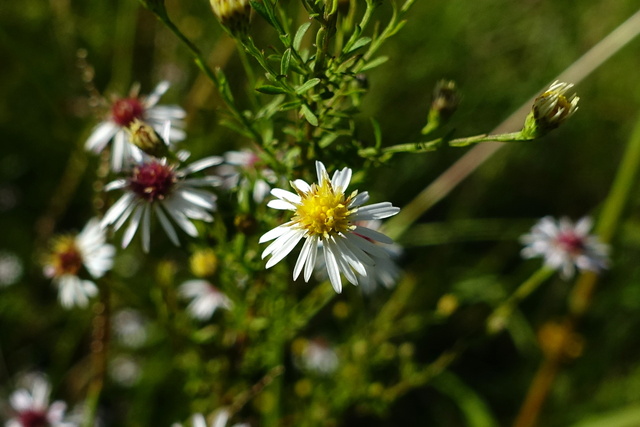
(65, 256)
(323, 211)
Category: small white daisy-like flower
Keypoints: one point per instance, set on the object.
(155, 185)
(70, 254)
(10, 268)
(205, 298)
(31, 406)
(318, 356)
(220, 419)
(565, 245)
(326, 217)
(130, 327)
(242, 169)
(122, 113)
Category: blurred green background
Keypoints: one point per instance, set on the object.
(500, 52)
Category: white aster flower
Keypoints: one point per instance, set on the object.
(130, 327)
(243, 169)
(123, 112)
(318, 356)
(326, 216)
(205, 298)
(565, 245)
(31, 406)
(70, 254)
(220, 419)
(155, 185)
(10, 268)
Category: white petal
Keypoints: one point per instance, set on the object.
(133, 226)
(166, 225)
(372, 234)
(321, 171)
(201, 164)
(375, 211)
(359, 200)
(332, 267)
(303, 258)
(301, 186)
(287, 196)
(281, 247)
(100, 136)
(281, 205)
(153, 98)
(341, 179)
(182, 221)
(275, 232)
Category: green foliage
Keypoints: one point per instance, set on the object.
(348, 83)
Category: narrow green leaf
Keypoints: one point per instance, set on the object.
(289, 105)
(270, 90)
(307, 85)
(297, 40)
(362, 41)
(377, 133)
(375, 62)
(308, 114)
(262, 11)
(285, 62)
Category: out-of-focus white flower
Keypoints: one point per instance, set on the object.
(205, 298)
(123, 112)
(129, 327)
(220, 419)
(317, 355)
(31, 406)
(10, 269)
(70, 254)
(565, 245)
(328, 218)
(155, 185)
(124, 370)
(242, 169)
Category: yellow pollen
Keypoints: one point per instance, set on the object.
(323, 211)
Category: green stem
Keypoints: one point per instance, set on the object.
(202, 64)
(500, 316)
(621, 188)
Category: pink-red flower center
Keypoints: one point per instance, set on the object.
(33, 418)
(152, 181)
(126, 110)
(571, 242)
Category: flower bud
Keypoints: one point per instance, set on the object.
(147, 139)
(444, 103)
(550, 110)
(234, 15)
(203, 263)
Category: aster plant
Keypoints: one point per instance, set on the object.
(242, 237)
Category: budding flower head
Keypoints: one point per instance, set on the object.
(444, 103)
(234, 15)
(550, 110)
(147, 139)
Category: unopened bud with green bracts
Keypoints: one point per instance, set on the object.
(444, 103)
(143, 136)
(550, 110)
(234, 15)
